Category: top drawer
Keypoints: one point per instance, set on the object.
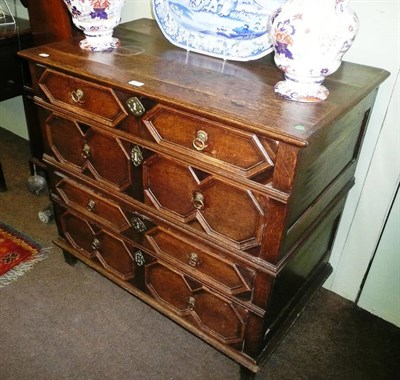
(239, 152)
(87, 99)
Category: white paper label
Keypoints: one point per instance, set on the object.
(136, 83)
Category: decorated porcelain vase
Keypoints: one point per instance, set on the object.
(97, 19)
(310, 38)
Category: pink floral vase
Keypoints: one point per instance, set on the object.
(310, 38)
(97, 19)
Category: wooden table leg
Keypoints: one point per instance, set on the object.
(3, 186)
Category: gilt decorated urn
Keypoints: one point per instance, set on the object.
(97, 19)
(310, 38)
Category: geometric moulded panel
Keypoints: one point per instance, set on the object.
(192, 196)
(214, 315)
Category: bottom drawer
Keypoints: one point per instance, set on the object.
(200, 306)
(204, 310)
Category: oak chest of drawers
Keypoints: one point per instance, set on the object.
(185, 180)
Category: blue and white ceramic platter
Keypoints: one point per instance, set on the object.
(229, 29)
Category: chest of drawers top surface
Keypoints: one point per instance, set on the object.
(239, 93)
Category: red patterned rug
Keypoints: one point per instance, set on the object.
(18, 254)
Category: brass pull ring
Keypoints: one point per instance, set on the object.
(198, 200)
(85, 151)
(95, 244)
(191, 303)
(91, 205)
(200, 141)
(77, 95)
(193, 259)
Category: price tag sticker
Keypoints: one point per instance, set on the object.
(136, 83)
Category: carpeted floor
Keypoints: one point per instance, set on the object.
(62, 322)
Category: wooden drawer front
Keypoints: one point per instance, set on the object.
(108, 212)
(195, 197)
(117, 256)
(232, 278)
(211, 313)
(83, 98)
(83, 200)
(240, 152)
(97, 155)
(79, 233)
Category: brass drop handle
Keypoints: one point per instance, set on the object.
(95, 244)
(85, 152)
(77, 95)
(91, 205)
(198, 200)
(191, 303)
(194, 259)
(200, 141)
